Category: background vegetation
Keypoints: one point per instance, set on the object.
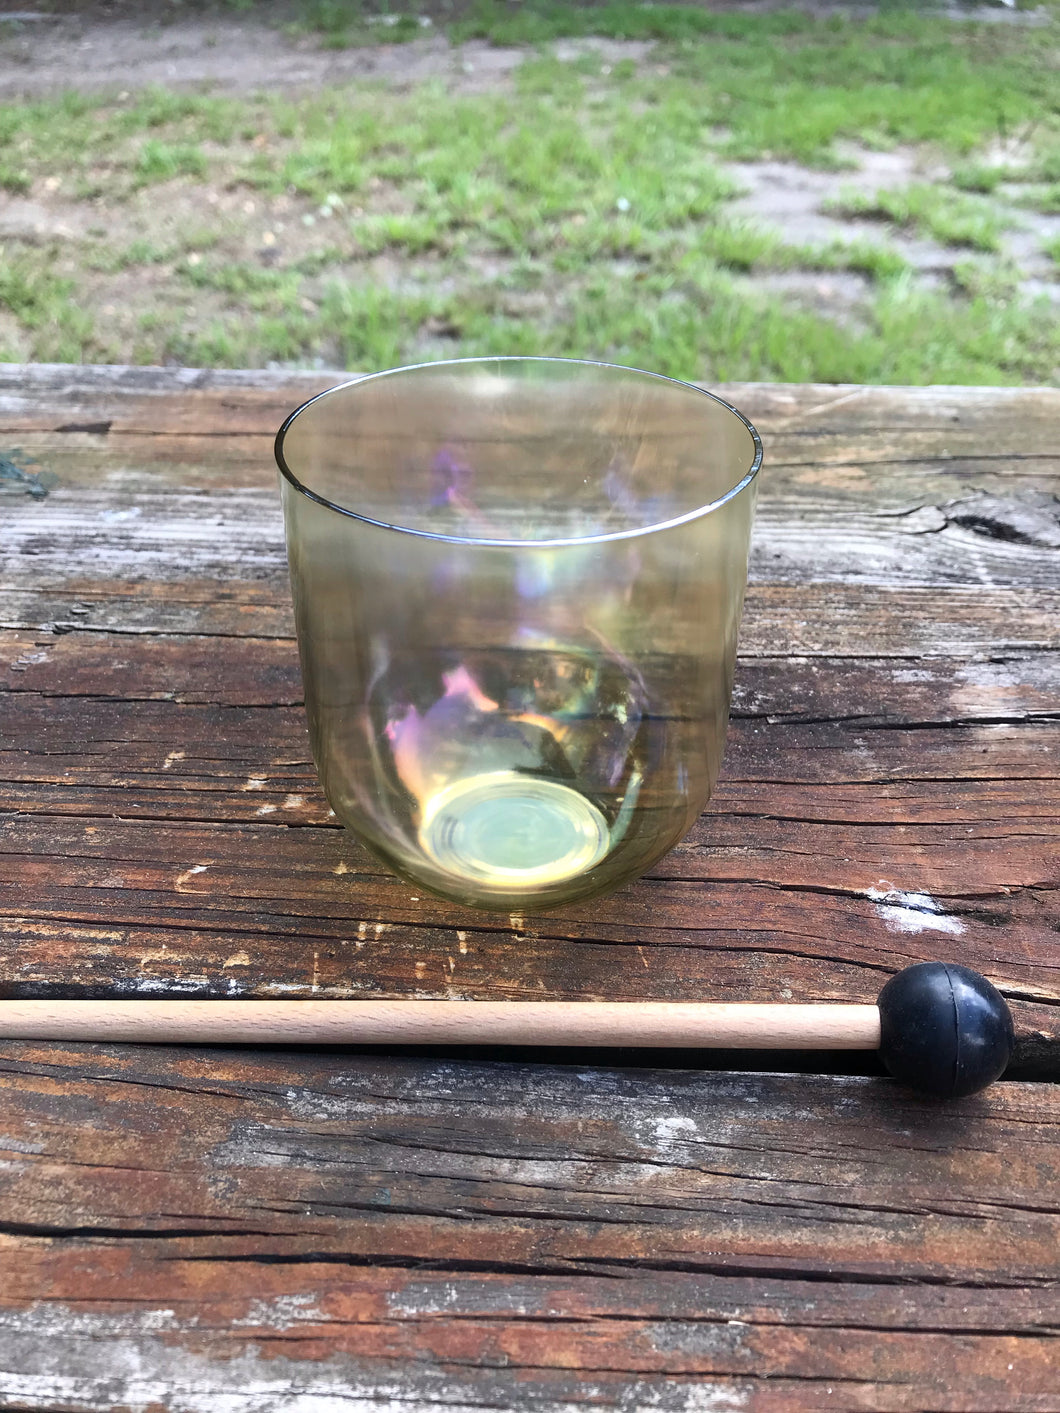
(582, 203)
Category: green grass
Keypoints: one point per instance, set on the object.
(153, 137)
(348, 22)
(580, 209)
(786, 83)
(792, 86)
(979, 177)
(14, 180)
(994, 282)
(44, 305)
(934, 211)
(162, 161)
(692, 321)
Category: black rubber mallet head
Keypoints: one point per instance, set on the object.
(944, 1029)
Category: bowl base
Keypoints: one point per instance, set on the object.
(507, 830)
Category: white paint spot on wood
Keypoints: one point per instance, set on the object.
(266, 809)
(56, 1355)
(340, 868)
(152, 985)
(282, 1312)
(251, 1146)
(18, 1145)
(362, 929)
(381, 927)
(293, 802)
(461, 942)
(56, 1320)
(255, 782)
(315, 1107)
(182, 878)
(28, 659)
(421, 970)
(167, 764)
(912, 912)
(672, 1130)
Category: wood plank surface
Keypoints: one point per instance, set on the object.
(198, 1230)
(204, 1229)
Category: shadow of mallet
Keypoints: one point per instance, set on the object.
(938, 1027)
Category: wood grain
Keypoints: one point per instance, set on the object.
(250, 1231)
(627, 1024)
(257, 1231)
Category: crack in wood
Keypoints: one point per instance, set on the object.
(43, 1230)
(626, 1268)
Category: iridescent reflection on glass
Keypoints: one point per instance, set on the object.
(517, 585)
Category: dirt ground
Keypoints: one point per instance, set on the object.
(104, 49)
(100, 46)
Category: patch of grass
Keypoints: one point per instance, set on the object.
(1047, 167)
(162, 161)
(925, 338)
(541, 20)
(342, 23)
(996, 283)
(895, 78)
(371, 324)
(701, 326)
(143, 252)
(105, 148)
(108, 260)
(273, 293)
(786, 83)
(195, 114)
(577, 210)
(352, 325)
(410, 234)
(519, 172)
(947, 217)
(44, 303)
(878, 262)
(14, 180)
(978, 177)
(740, 245)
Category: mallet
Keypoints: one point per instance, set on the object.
(939, 1027)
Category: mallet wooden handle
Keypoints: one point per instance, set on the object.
(635, 1023)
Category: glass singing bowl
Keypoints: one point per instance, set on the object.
(517, 585)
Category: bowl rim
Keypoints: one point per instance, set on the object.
(696, 513)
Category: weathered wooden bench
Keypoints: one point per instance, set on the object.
(248, 1231)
